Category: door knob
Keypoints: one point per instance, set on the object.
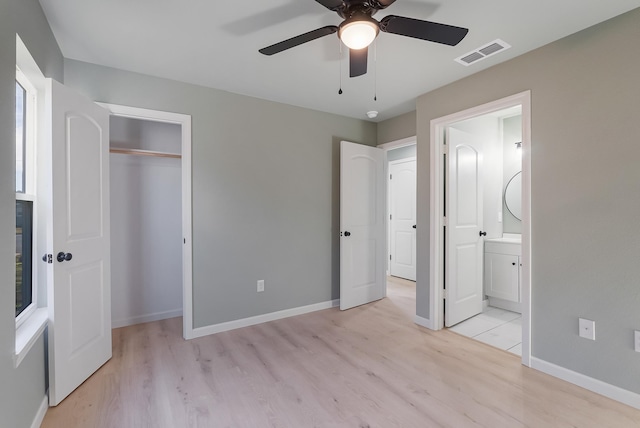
(483, 233)
(61, 256)
(347, 233)
(414, 226)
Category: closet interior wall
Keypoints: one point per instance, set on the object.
(146, 222)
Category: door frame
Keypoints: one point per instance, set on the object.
(187, 249)
(436, 210)
(391, 145)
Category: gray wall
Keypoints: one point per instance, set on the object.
(585, 199)
(21, 389)
(397, 128)
(265, 191)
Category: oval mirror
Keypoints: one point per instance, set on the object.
(513, 195)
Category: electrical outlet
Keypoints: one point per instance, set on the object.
(260, 285)
(637, 340)
(587, 329)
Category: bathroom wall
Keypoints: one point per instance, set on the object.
(512, 163)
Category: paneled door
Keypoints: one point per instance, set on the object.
(464, 242)
(362, 225)
(402, 221)
(76, 202)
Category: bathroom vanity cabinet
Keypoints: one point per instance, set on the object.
(502, 272)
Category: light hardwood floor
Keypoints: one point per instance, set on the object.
(370, 366)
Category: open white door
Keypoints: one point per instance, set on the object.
(362, 241)
(77, 204)
(464, 243)
(402, 222)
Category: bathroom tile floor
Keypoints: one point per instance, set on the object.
(495, 327)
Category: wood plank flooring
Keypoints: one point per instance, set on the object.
(370, 366)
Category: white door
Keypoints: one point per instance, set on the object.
(464, 244)
(78, 289)
(362, 226)
(402, 218)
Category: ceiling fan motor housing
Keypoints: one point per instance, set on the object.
(350, 9)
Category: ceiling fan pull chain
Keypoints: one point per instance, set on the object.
(340, 48)
(375, 70)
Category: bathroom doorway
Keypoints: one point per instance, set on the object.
(479, 248)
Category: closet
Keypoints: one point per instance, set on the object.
(146, 220)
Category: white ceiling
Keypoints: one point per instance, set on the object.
(215, 44)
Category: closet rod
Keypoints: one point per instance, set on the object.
(144, 153)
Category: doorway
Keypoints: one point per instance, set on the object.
(450, 228)
(401, 169)
(151, 162)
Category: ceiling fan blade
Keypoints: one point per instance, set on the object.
(298, 40)
(331, 4)
(425, 30)
(358, 61)
(381, 4)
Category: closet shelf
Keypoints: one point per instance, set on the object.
(139, 152)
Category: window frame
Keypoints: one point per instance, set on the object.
(29, 194)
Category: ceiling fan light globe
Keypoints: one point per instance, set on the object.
(358, 34)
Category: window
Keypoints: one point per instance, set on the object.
(25, 197)
(24, 250)
(21, 136)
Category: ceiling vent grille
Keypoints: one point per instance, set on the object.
(483, 52)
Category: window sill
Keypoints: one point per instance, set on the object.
(28, 333)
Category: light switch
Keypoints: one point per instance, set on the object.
(587, 328)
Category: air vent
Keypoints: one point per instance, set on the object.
(483, 52)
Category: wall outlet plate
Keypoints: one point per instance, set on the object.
(260, 285)
(587, 328)
(636, 336)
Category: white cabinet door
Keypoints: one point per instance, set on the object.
(362, 225)
(462, 239)
(77, 201)
(402, 198)
(501, 273)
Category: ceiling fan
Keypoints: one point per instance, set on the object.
(359, 29)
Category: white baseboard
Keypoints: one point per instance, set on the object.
(599, 387)
(146, 318)
(259, 319)
(42, 410)
(424, 322)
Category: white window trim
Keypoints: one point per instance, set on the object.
(31, 323)
(30, 186)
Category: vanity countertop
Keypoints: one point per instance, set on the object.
(507, 238)
(508, 244)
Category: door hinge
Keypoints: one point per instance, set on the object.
(445, 149)
(444, 294)
(445, 221)
(389, 256)
(390, 176)
(390, 216)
